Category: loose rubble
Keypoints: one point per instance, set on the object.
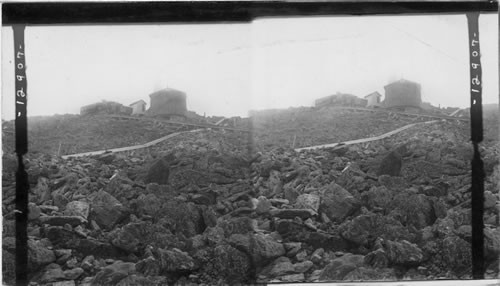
(207, 209)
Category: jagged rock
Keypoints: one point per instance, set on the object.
(317, 255)
(279, 267)
(413, 209)
(457, 254)
(159, 171)
(261, 248)
(39, 255)
(64, 283)
(292, 231)
(73, 274)
(52, 273)
(402, 253)
(293, 278)
(227, 263)
(175, 260)
(492, 243)
(377, 258)
(149, 266)
(8, 267)
(302, 267)
(214, 235)
(239, 225)
(68, 239)
(364, 229)
(263, 205)
(181, 218)
(337, 203)
(88, 262)
(134, 236)
(106, 210)
(370, 274)
(308, 201)
(34, 211)
(114, 273)
(147, 204)
(62, 220)
(42, 190)
(434, 191)
(393, 183)
(391, 164)
(377, 197)
(292, 248)
(137, 280)
(490, 200)
(338, 268)
(292, 213)
(77, 208)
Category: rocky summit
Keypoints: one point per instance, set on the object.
(220, 207)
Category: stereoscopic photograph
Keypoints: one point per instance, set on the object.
(285, 149)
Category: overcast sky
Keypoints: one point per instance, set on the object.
(229, 69)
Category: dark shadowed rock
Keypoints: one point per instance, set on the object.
(457, 254)
(261, 248)
(64, 238)
(292, 213)
(413, 209)
(175, 261)
(337, 203)
(227, 263)
(340, 267)
(106, 210)
(239, 225)
(149, 266)
(133, 237)
(62, 220)
(290, 230)
(181, 218)
(73, 274)
(492, 243)
(279, 267)
(52, 273)
(138, 280)
(159, 171)
(364, 229)
(39, 255)
(114, 273)
(377, 197)
(391, 164)
(402, 253)
(370, 274)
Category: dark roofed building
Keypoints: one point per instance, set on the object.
(168, 102)
(402, 93)
(340, 99)
(105, 107)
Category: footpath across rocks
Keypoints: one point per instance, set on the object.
(215, 208)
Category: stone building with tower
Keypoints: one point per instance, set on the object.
(168, 103)
(403, 94)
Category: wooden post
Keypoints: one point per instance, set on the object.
(476, 120)
(22, 185)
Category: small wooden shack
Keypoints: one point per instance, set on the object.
(168, 102)
(374, 99)
(138, 107)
